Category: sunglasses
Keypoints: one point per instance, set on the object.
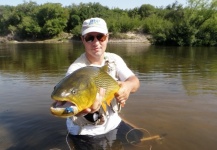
(90, 38)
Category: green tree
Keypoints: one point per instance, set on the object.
(158, 27)
(133, 13)
(9, 19)
(208, 33)
(146, 10)
(172, 12)
(195, 15)
(29, 28)
(52, 18)
(188, 26)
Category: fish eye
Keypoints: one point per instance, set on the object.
(74, 91)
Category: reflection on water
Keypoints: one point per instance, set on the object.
(177, 96)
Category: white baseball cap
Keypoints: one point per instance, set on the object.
(94, 25)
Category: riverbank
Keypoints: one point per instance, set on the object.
(129, 37)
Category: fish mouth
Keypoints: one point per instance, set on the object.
(62, 104)
(63, 109)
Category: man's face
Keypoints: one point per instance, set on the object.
(95, 44)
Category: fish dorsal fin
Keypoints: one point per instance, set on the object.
(105, 68)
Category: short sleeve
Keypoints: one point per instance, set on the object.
(122, 70)
(77, 64)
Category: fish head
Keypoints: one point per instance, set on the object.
(73, 94)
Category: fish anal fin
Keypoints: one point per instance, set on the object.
(107, 102)
(109, 99)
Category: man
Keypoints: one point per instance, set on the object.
(90, 122)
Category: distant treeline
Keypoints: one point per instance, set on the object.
(191, 25)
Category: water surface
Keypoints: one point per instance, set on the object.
(177, 97)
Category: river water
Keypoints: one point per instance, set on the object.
(177, 98)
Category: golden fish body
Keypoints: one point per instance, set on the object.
(78, 91)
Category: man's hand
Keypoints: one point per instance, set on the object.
(123, 94)
(128, 86)
(96, 105)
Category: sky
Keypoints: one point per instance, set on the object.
(122, 4)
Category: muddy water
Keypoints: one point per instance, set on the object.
(177, 97)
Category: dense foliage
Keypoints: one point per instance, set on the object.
(192, 25)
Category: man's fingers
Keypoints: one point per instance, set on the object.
(84, 112)
(102, 92)
(99, 97)
(97, 103)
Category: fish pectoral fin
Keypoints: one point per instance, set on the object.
(104, 106)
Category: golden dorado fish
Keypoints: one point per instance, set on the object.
(78, 90)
